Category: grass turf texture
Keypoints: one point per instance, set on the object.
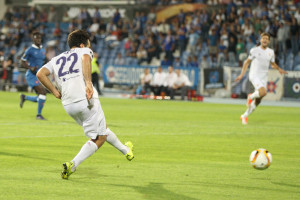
(183, 150)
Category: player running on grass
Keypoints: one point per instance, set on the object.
(72, 71)
(33, 60)
(260, 58)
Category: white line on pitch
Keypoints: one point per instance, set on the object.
(40, 136)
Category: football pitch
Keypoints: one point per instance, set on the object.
(183, 151)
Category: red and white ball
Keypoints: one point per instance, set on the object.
(260, 159)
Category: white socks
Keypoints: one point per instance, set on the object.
(250, 109)
(88, 149)
(114, 141)
(255, 95)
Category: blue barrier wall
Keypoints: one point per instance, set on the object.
(130, 75)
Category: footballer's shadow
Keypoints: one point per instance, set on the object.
(156, 191)
(287, 184)
(23, 156)
(239, 186)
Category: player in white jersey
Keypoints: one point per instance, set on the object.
(260, 57)
(72, 72)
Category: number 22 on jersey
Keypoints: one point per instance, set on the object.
(64, 63)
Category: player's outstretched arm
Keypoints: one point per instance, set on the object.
(87, 75)
(275, 66)
(25, 65)
(244, 69)
(42, 75)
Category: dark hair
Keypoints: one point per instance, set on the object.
(36, 33)
(78, 37)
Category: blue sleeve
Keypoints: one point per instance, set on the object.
(26, 55)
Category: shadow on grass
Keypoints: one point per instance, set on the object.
(287, 184)
(245, 187)
(156, 191)
(23, 156)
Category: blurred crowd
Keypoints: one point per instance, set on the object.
(219, 35)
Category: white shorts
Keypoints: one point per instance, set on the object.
(258, 83)
(91, 119)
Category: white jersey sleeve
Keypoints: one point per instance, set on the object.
(87, 51)
(49, 67)
(272, 57)
(252, 54)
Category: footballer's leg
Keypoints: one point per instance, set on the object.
(88, 149)
(41, 101)
(126, 149)
(24, 97)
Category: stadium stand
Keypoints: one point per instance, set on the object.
(221, 34)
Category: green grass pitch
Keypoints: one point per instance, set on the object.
(183, 151)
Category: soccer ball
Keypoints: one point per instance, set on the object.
(260, 159)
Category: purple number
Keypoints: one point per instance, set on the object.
(73, 63)
(64, 59)
(60, 71)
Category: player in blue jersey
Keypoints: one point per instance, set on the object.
(33, 60)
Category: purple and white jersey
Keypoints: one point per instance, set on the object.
(67, 70)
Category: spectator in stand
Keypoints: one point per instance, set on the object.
(232, 51)
(141, 54)
(169, 46)
(95, 26)
(57, 31)
(281, 38)
(97, 14)
(297, 15)
(204, 64)
(193, 39)
(164, 28)
(249, 45)
(102, 27)
(52, 14)
(240, 47)
(9, 66)
(152, 15)
(177, 62)
(222, 51)
(66, 18)
(132, 52)
(294, 35)
(85, 18)
(181, 33)
(194, 62)
(153, 50)
(213, 43)
(230, 6)
(117, 16)
(189, 62)
(119, 60)
(247, 28)
(181, 17)
(181, 83)
(166, 62)
(110, 27)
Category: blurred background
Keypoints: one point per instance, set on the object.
(208, 40)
